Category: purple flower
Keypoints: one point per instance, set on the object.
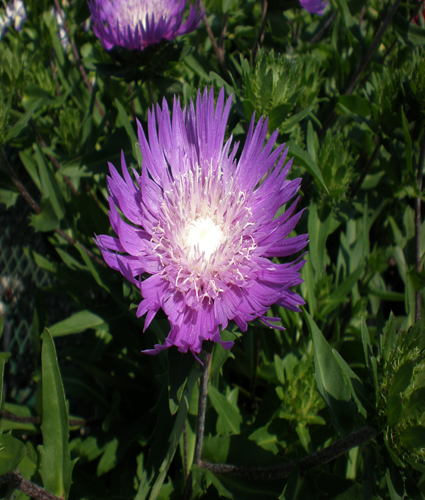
(202, 224)
(15, 14)
(313, 6)
(135, 24)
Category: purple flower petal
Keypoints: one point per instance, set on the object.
(203, 224)
(135, 24)
(313, 6)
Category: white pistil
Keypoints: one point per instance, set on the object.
(203, 236)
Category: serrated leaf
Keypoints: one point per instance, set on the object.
(56, 466)
(402, 378)
(77, 323)
(330, 380)
(12, 451)
(229, 418)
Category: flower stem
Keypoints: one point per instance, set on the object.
(27, 487)
(418, 207)
(202, 406)
(321, 457)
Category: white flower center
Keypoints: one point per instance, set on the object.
(202, 236)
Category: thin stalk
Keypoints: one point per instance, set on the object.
(324, 28)
(366, 169)
(418, 207)
(261, 32)
(321, 457)
(218, 52)
(27, 487)
(202, 406)
(35, 420)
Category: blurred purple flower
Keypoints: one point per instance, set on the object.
(203, 224)
(313, 6)
(135, 24)
(16, 14)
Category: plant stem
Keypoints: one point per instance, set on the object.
(418, 207)
(321, 457)
(27, 487)
(366, 169)
(260, 33)
(202, 406)
(218, 52)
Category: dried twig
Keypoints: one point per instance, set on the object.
(27, 487)
(418, 221)
(321, 457)
(218, 52)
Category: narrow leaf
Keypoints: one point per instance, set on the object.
(229, 417)
(77, 323)
(56, 466)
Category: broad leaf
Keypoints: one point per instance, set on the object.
(12, 451)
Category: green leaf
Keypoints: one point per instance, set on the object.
(340, 294)
(77, 323)
(23, 121)
(12, 451)
(56, 466)
(402, 378)
(352, 380)
(409, 31)
(415, 405)
(150, 487)
(394, 408)
(179, 368)
(123, 116)
(49, 185)
(367, 346)
(330, 380)
(229, 418)
(305, 160)
(265, 439)
(318, 232)
(355, 104)
(389, 339)
(407, 141)
(46, 220)
(294, 119)
(4, 356)
(413, 437)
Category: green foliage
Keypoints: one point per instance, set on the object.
(115, 423)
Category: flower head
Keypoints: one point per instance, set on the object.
(135, 24)
(203, 224)
(313, 6)
(16, 13)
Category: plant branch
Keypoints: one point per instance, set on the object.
(27, 487)
(324, 28)
(418, 221)
(321, 457)
(366, 169)
(218, 52)
(35, 420)
(260, 33)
